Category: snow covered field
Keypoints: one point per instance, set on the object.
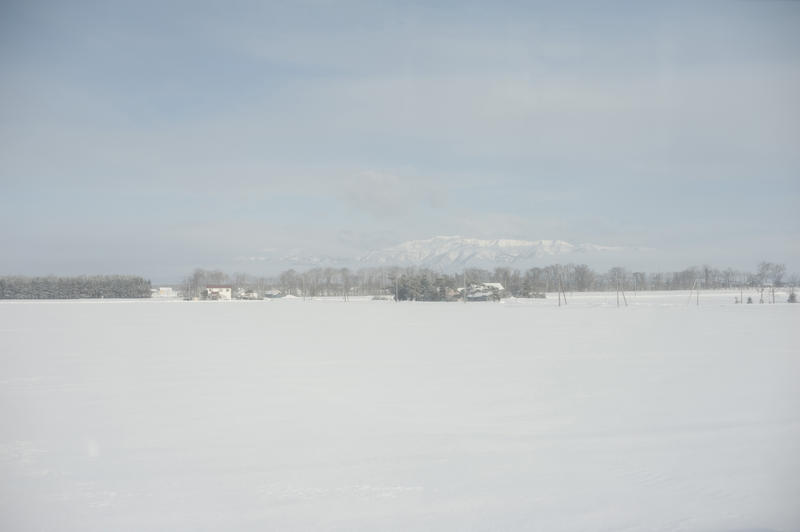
(369, 415)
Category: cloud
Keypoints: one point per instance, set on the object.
(385, 195)
(348, 127)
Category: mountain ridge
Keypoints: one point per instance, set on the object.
(452, 253)
(456, 252)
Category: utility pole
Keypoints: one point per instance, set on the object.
(695, 288)
(621, 289)
(559, 295)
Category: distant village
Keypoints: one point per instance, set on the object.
(226, 292)
(408, 284)
(422, 284)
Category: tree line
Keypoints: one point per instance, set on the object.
(422, 284)
(83, 287)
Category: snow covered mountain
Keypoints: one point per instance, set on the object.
(451, 254)
(455, 252)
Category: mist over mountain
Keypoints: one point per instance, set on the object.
(455, 253)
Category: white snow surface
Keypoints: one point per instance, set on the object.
(371, 415)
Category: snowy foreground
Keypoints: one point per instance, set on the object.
(369, 415)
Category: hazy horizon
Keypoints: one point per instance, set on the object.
(152, 139)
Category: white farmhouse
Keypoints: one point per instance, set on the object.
(216, 292)
(166, 292)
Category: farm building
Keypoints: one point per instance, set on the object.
(483, 292)
(218, 292)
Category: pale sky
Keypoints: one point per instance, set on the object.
(142, 138)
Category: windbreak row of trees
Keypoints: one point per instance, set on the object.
(427, 285)
(581, 278)
(84, 287)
